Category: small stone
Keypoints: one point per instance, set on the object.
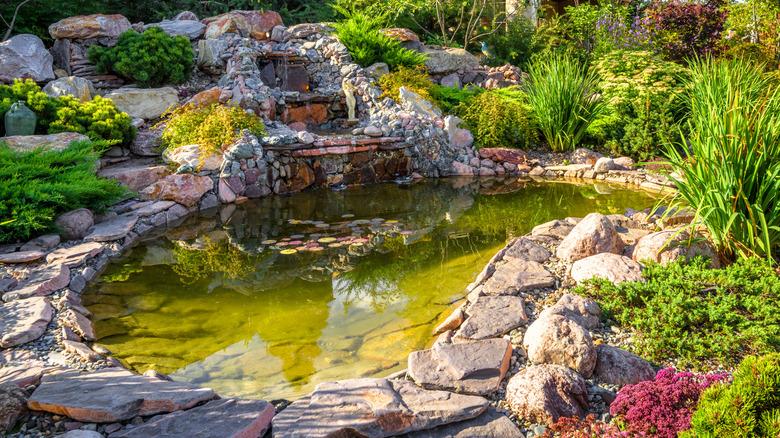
(451, 323)
(604, 165)
(75, 224)
(372, 131)
(615, 366)
(80, 350)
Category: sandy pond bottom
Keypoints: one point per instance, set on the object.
(269, 298)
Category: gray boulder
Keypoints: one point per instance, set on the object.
(25, 56)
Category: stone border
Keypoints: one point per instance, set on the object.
(55, 287)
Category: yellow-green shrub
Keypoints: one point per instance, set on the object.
(414, 79)
(213, 127)
(499, 118)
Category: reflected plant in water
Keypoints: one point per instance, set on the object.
(212, 257)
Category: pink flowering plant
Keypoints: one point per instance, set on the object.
(661, 407)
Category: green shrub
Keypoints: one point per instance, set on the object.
(452, 99)
(753, 25)
(513, 45)
(98, 118)
(499, 118)
(749, 406)
(694, 316)
(37, 186)
(213, 127)
(362, 36)
(644, 99)
(562, 94)
(414, 79)
(729, 165)
(150, 58)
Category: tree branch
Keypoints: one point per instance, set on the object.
(13, 20)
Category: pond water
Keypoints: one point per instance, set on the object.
(269, 298)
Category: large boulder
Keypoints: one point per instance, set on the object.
(80, 88)
(592, 235)
(192, 157)
(555, 339)
(85, 27)
(186, 189)
(619, 367)
(666, 246)
(406, 37)
(475, 367)
(584, 311)
(55, 142)
(612, 267)
(415, 103)
(112, 394)
(254, 24)
(25, 56)
(442, 61)
(210, 52)
(24, 320)
(136, 175)
(192, 29)
(374, 408)
(545, 393)
(144, 103)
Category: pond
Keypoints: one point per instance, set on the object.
(268, 298)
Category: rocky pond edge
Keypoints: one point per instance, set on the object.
(46, 331)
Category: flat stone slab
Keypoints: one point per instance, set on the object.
(373, 408)
(75, 255)
(110, 395)
(526, 249)
(557, 229)
(227, 418)
(21, 375)
(24, 320)
(21, 257)
(475, 367)
(41, 282)
(493, 316)
(113, 229)
(153, 208)
(491, 424)
(517, 276)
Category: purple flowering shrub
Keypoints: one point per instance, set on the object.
(661, 407)
(683, 29)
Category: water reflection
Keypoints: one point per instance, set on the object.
(268, 298)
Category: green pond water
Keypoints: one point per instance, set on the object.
(269, 298)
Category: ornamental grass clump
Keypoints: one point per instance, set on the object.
(38, 185)
(661, 407)
(563, 95)
(150, 58)
(749, 406)
(728, 168)
(212, 127)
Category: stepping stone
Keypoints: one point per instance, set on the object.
(491, 424)
(373, 408)
(111, 395)
(475, 367)
(153, 208)
(22, 321)
(526, 249)
(41, 282)
(42, 243)
(515, 276)
(21, 257)
(136, 175)
(493, 316)
(75, 255)
(21, 375)
(612, 267)
(113, 229)
(228, 418)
